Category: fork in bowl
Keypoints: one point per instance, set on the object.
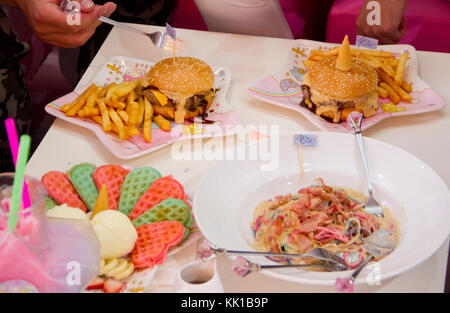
(372, 206)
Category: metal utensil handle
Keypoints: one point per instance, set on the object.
(262, 253)
(114, 23)
(360, 267)
(362, 150)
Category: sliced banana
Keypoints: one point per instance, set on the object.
(127, 272)
(109, 266)
(116, 268)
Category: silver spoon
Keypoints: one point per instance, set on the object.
(206, 250)
(372, 206)
(380, 243)
(243, 267)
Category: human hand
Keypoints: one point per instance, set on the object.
(392, 25)
(51, 25)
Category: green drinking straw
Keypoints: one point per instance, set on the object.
(19, 177)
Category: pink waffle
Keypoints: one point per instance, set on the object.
(161, 189)
(154, 241)
(112, 176)
(61, 190)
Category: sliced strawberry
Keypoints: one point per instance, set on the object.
(96, 283)
(112, 286)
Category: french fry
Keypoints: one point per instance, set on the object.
(140, 116)
(407, 87)
(398, 77)
(82, 101)
(371, 61)
(118, 122)
(387, 68)
(81, 98)
(391, 93)
(132, 131)
(124, 116)
(148, 110)
(147, 130)
(162, 122)
(377, 53)
(382, 92)
(403, 94)
(133, 114)
(106, 122)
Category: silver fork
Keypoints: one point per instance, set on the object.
(205, 250)
(159, 38)
(372, 206)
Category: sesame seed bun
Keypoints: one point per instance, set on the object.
(324, 77)
(183, 75)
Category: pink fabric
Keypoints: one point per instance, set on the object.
(427, 23)
(186, 15)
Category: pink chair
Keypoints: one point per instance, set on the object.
(427, 23)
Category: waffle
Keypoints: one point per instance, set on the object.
(134, 185)
(170, 209)
(112, 177)
(50, 203)
(161, 189)
(154, 240)
(81, 178)
(60, 189)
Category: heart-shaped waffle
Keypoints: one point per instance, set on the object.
(61, 190)
(112, 176)
(134, 185)
(170, 209)
(161, 189)
(81, 178)
(154, 241)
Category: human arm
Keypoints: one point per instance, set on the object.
(51, 25)
(392, 21)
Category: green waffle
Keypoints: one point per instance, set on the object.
(134, 185)
(50, 203)
(81, 178)
(170, 209)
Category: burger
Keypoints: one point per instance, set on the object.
(179, 88)
(336, 86)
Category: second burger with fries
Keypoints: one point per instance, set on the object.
(179, 88)
(335, 86)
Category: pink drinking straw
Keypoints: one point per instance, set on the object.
(13, 139)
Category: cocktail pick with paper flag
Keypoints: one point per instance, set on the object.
(304, 140)
(365, 42)
(173, 43)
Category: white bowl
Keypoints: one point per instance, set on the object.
(418, 198)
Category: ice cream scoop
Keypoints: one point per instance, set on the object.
(65, 211)
(115, 232)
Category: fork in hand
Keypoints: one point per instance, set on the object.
(159, 38)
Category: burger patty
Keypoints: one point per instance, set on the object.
(191, 105)
(313, 106)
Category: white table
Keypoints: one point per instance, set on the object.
(249, 59)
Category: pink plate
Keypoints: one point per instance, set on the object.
(283, 88)
(119, 69)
